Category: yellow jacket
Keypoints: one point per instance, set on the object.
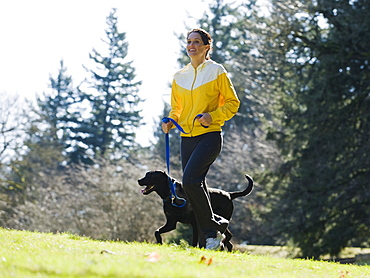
(206, 89)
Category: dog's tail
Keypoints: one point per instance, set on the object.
(245, 192)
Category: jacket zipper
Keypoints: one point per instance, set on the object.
(192, 101)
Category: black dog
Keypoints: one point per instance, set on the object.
(221, 202)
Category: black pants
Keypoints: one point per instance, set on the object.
(197, 155)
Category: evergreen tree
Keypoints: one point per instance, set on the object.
(109, 129)
(60, 109)
(322, 199)
(46, 135)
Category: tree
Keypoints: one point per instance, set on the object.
(12, 122)
(45, 136)
(321, 198)
(108, 130)
(61, 108)
(10, 126)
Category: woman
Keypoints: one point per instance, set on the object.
(202, 99)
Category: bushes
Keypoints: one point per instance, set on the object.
(102, 201)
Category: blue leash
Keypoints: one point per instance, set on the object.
(172, 185)
(166, 120)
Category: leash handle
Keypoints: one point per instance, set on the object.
(179, 127)
(167, 119)
(199, 116)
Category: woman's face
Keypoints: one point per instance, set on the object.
(195, 46)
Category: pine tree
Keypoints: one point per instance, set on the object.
(109, 129)
(60, 108)
(45, 136)
(322, 191)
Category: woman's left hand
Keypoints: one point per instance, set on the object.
(206, 119)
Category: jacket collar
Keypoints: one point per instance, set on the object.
(201, 66)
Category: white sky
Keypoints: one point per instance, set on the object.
(36, 34)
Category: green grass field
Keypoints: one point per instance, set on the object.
(30, 254)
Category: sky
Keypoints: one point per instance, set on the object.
(36, 34)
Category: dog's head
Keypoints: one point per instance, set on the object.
(154, 181)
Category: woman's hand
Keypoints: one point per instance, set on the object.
(205, 120)
(166, 127)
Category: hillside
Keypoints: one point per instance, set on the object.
(32, 254)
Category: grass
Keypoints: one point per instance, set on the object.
(32, 254)
(291, 252)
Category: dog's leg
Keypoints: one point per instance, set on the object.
(158, 237)
(169, 226)
(226, 241)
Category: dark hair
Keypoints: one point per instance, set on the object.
(206, 38)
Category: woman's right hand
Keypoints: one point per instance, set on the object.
(166, 127)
